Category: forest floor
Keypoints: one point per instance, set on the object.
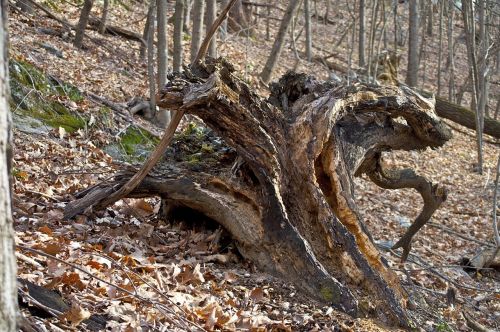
(141, 273)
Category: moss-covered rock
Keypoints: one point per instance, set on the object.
(35, 102)
(134, 145)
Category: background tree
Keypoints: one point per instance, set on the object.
(361, 41)
(163, 116)
(412, 71)
(307, 14)
(197, 34)
(210, 17)
(82, 23)
(162, 50)
(273, 58)
(145, 33)
(151, 64)
(470, 40)
(8, 288)
(104, 16)
(178, 27)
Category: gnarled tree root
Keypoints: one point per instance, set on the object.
(290, 205)
(433, 196)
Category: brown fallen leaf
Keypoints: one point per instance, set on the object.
(75, 315)
(257, 294)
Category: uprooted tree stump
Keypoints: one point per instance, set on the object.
(278, 175)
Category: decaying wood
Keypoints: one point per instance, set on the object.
(464, 116)
(444, 108)
(289, 206)
(433, 196)
(94, 23)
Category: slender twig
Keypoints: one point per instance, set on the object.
(460, 235)
(413, 259)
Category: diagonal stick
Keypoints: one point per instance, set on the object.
(160, 150)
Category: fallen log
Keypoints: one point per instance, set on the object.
(463, 116)
(94, 24)
(277, 174)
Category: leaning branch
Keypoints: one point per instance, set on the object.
(155, 156)
(432, 194)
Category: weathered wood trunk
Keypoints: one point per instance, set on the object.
(8, 285)
(283, 188)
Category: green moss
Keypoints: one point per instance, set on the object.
(58, 116)
(27, 75)
(36, 96)
(68, 90)
(137, 142)
(329, 294)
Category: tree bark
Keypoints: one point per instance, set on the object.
(470, 40)
(104, 16)
(465, 117)
(237, 20)
(412, 72)
(362, 34)
(162, 51)
(8, 289)
(25, 6)
(145, 32)
(151, 64)
(307, 15)
(197, 35)
(178, 27)
(210, 16)
(273, 58)
(82, 23)
(284, 188)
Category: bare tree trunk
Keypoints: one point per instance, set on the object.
(412, 71)
(362, 34)
(307, 14)
(482, 18)
(268, 23)
(8, 288)
(104, 17)
(151, 64)
(395, 21)
(210, 16)
(82, 23)
(178, 17)
(273, 58)
(327, 12)
(469, 26)
(451, 58)
(430, 18)
(440, 51)
(197, 35)
(188, 6)
(162, 116)
(371, 40)
(162, 50)
(223, 28)
(145, 33)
